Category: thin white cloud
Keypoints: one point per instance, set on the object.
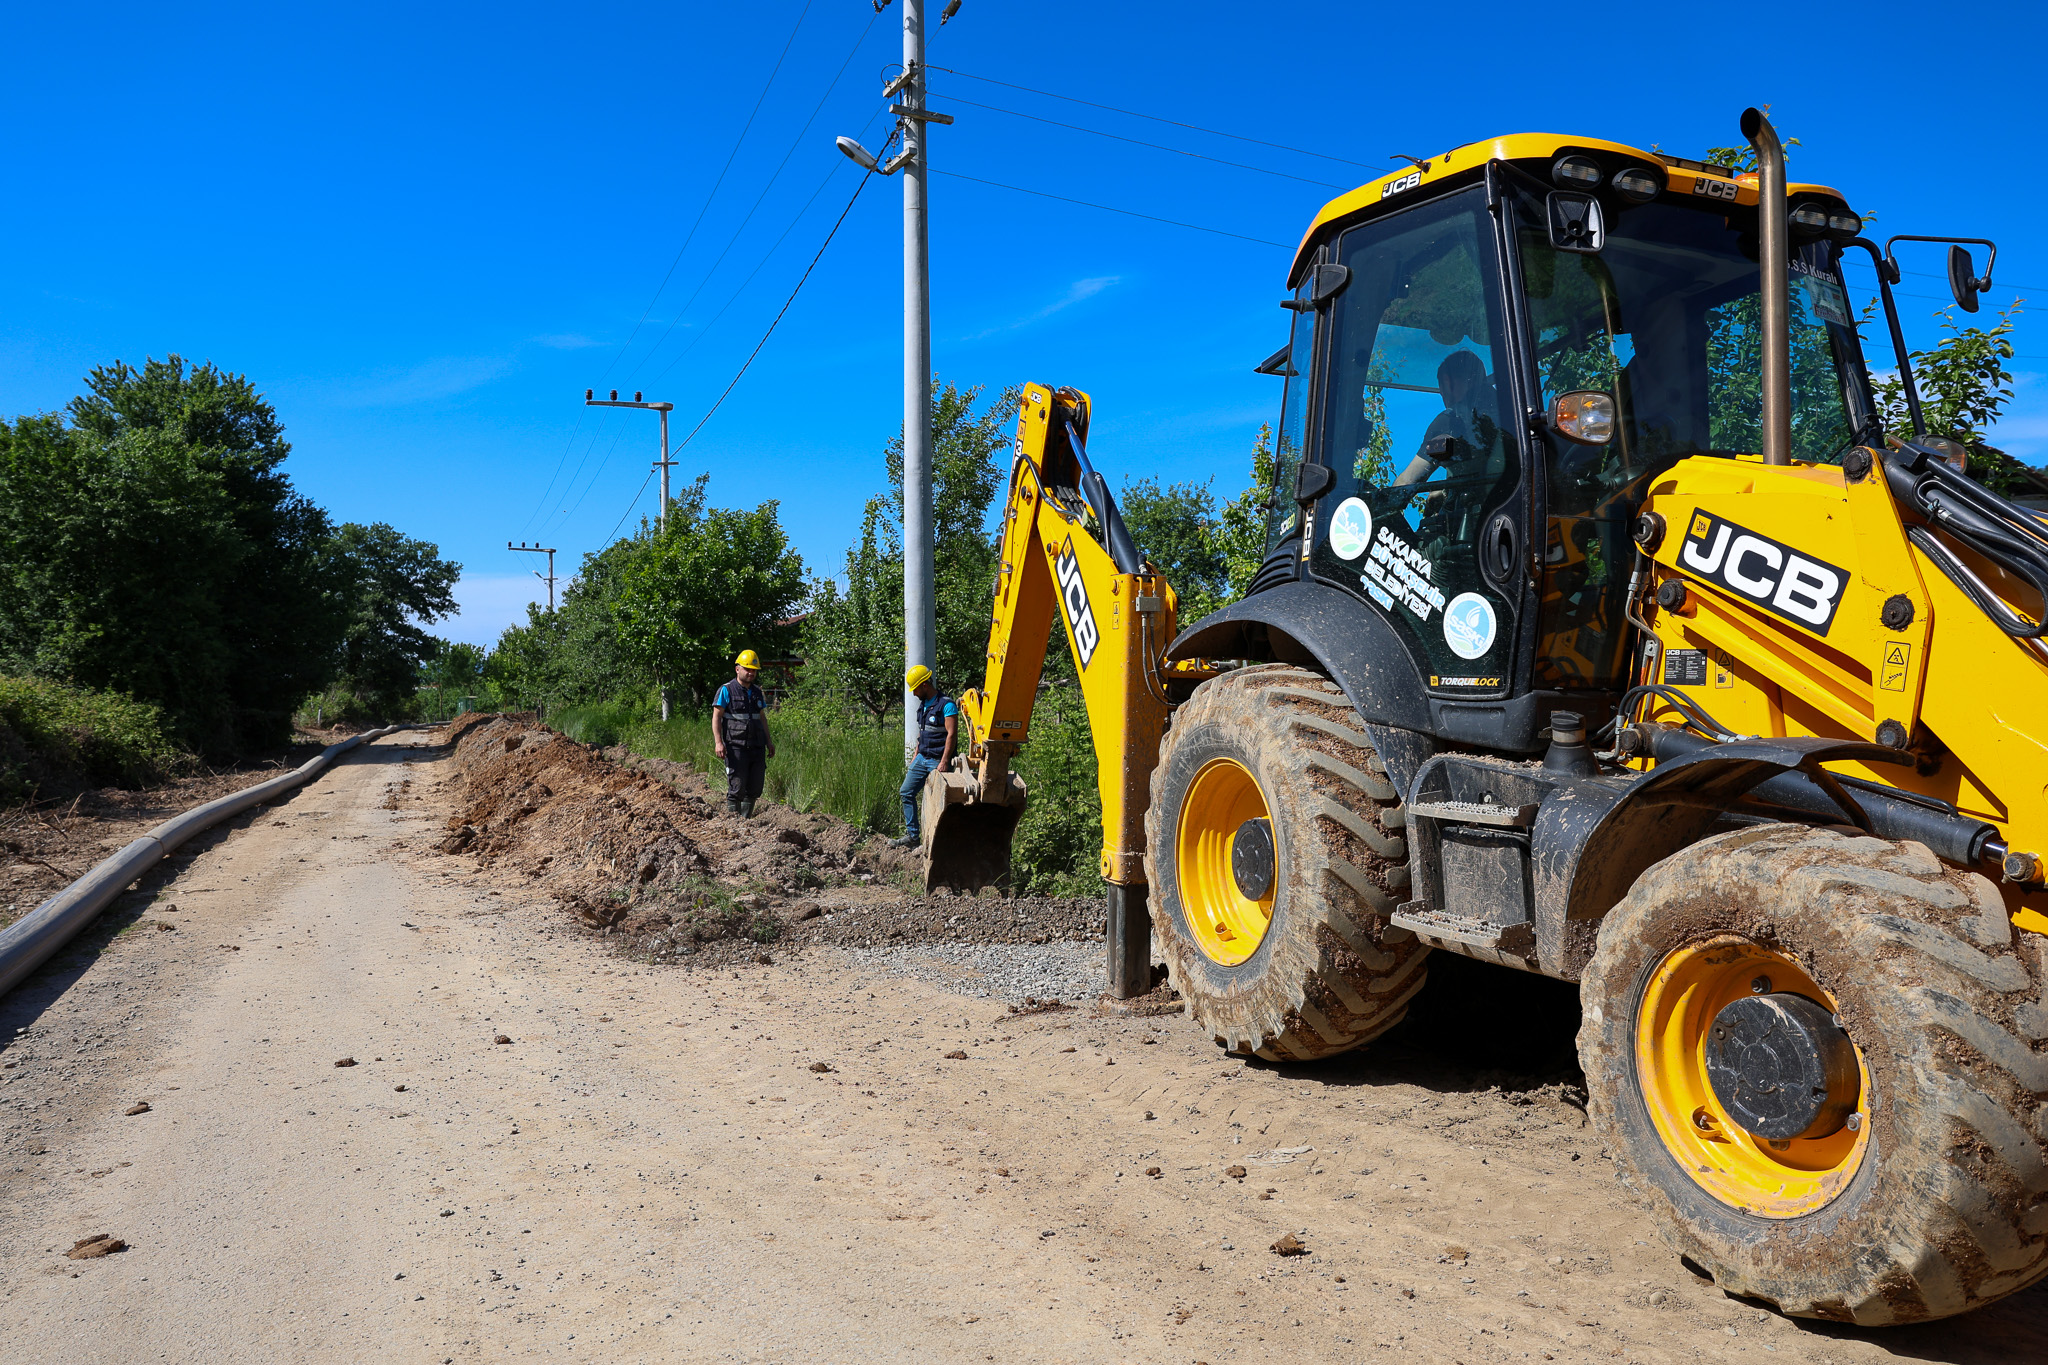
(426, 382)
(1077, 292)
(567, 341)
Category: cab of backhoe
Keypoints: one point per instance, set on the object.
(1492, 356)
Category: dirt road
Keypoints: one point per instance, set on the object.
(777, 1163)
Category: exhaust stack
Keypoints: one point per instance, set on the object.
(1773, 247)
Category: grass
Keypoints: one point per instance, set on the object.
(823, 762)
(54, 734)
(605, 723)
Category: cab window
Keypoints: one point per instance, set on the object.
(1284, 515)
(1416, 430)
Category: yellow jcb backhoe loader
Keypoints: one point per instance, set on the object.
(1602, 634)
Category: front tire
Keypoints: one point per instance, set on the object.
(1929, 1198)
(1310, 967)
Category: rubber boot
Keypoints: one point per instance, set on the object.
(746, 810)
(732, 805)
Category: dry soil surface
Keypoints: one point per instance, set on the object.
(48, 844)
(767, 1163)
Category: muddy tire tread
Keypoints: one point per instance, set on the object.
(1333, 974)
(1949, 1210)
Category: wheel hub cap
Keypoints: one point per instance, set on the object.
(1251, 858)
(1781, 1067)
(1719, 1062)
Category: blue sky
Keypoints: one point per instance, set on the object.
(425, 230)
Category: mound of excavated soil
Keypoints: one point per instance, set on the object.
(644, 850)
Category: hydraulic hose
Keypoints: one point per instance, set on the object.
(2001, 531)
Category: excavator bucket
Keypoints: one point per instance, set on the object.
(967, 837)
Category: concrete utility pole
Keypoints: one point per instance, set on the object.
(664, 464)
(920, 619)
(549, 578)
(920, 623)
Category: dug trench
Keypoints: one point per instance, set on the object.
(836, 1155)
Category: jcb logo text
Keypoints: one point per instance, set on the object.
(1775, 576)
(1074, 598)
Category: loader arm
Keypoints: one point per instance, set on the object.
(1118, 618)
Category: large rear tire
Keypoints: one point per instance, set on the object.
(1311, 967)
(1931, 1197)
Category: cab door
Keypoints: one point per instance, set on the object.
(1425, 516)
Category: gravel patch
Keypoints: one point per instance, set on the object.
(1011, 972)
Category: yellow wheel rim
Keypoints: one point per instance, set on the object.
(1770, 1179)
(1227, 924)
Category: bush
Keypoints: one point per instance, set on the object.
(56, 735)
(1058, 846)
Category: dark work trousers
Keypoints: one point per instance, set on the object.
(746, 768)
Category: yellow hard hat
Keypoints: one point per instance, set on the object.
(917, 677)
(748, 659)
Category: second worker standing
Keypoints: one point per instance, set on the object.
(739, 735)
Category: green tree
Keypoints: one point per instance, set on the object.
(1176, 528)
(1242, 533)
(155, 546)
(715, 581)
(392, 585)
(1964, 385)
(853, 639)
(529, 666)
(454, 666)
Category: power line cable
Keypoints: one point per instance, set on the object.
(715, 185)
(1930, 275)
(733, 241)
(748, 362)
(1137, 142)
(655, 298)
(575, 432)
(629, 507)
(595, 474)
(858, 187)
(1109, 208)
(766, 256)
(1195, 127)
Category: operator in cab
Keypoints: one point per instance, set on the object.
(1468, 405)
(739, 735)
(938, 728)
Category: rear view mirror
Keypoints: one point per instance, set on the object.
(1962, 279)
(1576, 223)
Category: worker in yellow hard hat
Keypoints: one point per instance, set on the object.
(739, 735)
(938, 728)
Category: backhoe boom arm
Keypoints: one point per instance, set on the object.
(1117, 624)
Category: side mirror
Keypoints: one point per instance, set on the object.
(1330, 280)
(1962, 279)
(1311, 481)
(1576, 223)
